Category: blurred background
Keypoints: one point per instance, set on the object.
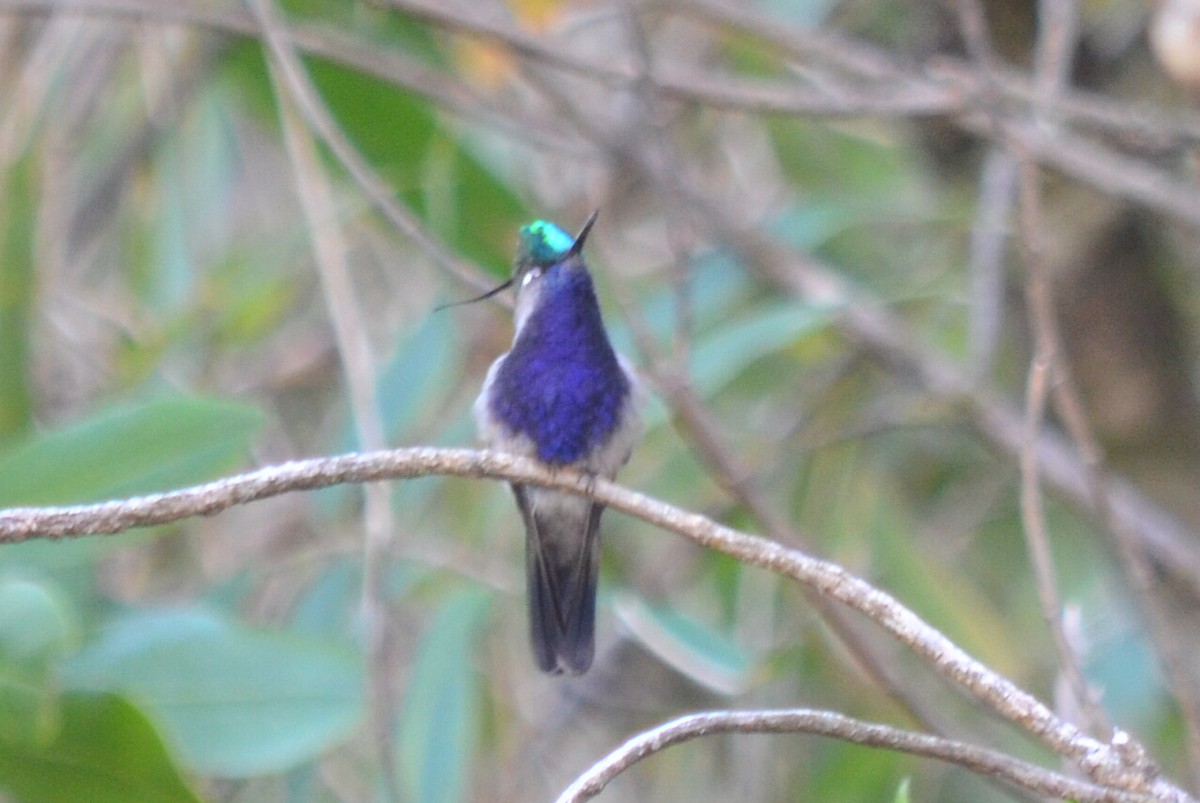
(223, 231)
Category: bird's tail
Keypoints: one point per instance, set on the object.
(562, 557)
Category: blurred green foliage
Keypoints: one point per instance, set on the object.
(173, 331)
(17, 278)
(103, 749)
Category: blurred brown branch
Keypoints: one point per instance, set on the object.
(994, 108)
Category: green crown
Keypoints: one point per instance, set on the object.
(543, 243)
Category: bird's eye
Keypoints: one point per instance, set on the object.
(530, 275)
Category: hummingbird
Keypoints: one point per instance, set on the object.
(562, 396)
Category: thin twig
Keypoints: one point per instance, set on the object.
(1097, 165)
(987, 763)
(317, 115)
(989, 240)
(1033, 521)
(1054, 50)
(1058, 37)
(1081, 157)
(997, 194)
(973, 26)
(862, 321)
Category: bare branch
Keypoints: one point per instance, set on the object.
(826, 723)
(1107, 170)
(1042, 368)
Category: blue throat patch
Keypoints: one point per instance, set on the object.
(561, 385)
(544, 242)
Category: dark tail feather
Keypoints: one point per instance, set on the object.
(562, 559)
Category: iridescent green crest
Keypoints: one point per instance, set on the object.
(543, 243)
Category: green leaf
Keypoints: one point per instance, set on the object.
(439, 722)
(36, 621)
(955, 604)
(470, 208)
(852, 772)
(235, 702)
(159, 445)
(806, 227)
(104, 752)
(37, 624)
(173, 277)
(724, 353)
(1123, 664)
(413, 383)
(29, 709)
(391, 128)
(836, 163)
(248, 307)
(412, 390)
(335, 596)
(454, 192)
(716, 286)
(418, 375)
(18, 204)
(902, 792)
(694, 648)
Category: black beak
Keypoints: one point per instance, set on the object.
(575, 250)
(486, 295)
(577, 246)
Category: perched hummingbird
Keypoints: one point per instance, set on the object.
(560, 395)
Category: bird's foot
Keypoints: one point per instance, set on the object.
(589, 482)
